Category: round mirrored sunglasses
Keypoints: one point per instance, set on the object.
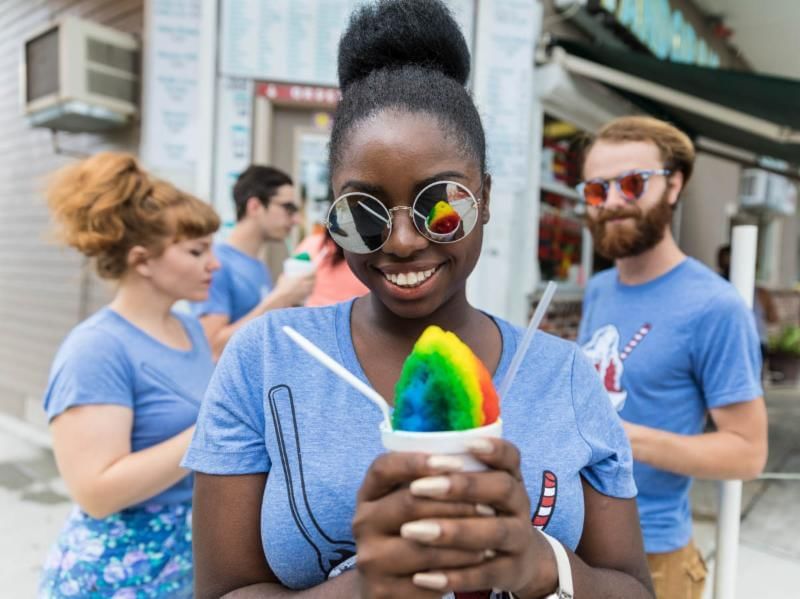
(442, 212)
(630, 185)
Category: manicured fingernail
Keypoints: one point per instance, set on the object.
(484, 510)
(446, 462)
(430, 486)
(421, 530)
(489, 554)
(483, 446)
(430, 580)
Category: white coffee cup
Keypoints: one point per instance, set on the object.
(441, 443)
(293, 267)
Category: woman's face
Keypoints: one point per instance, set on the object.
(183, 270)
(393, 156)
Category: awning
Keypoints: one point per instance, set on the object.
(757, 113)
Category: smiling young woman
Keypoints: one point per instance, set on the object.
(292, 481)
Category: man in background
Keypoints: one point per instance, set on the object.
(672, 341)
(242, 289)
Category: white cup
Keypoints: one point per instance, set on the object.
(293, 267)
(441, 443)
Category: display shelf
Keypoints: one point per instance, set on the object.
(559, 188)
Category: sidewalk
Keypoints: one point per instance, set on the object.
(769, 541)
(34, 504)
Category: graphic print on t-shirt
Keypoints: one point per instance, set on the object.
(604, 353)
(330, 552)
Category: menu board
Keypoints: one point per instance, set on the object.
(506, 37)
(232, 147)
(294, 40)
(172, 59)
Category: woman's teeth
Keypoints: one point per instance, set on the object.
(409, 279)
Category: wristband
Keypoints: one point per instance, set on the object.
(565, 589)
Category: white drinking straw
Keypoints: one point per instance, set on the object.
(516, 361)
(340, 371)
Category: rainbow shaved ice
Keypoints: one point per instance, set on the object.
(443, 387)
(443, 219)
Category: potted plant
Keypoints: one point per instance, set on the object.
(784, 355)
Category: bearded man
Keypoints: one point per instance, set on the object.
(685, 344)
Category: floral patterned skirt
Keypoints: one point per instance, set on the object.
(140, 552)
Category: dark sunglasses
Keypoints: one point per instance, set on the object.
(290, 207)
(631, 185)
(443, 212)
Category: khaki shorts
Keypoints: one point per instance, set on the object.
(679, 574)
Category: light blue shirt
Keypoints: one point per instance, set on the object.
(668, 351)
(108, 360)
(272, 408)
(237, 287)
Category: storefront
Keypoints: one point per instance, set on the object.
(269, 69)
(603, 61)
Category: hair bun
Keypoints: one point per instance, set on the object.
(87, 197)
(396, 33)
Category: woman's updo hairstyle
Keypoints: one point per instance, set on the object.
(105, 205)
(410, 56)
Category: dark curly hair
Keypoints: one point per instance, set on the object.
(407, 55)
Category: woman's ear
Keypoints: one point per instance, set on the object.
(138, 260)
(486, 193)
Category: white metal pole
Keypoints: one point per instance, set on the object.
(743, 270)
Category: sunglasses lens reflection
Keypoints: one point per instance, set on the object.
(358, 223)
(445, 212)
(632, 186)
(594, 193)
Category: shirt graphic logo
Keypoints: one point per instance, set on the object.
(608, 360)
(330, 552)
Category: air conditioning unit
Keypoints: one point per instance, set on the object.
(766, 192)
(80, 76)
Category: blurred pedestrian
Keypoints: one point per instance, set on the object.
(242, 289)
(126, 384)
(335, 282)
(671, 340)
(294, 490)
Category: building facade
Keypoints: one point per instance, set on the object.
(44, 289)
(229, 82)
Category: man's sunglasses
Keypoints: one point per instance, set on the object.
(443, 212)
(290, 207)
(631, 186)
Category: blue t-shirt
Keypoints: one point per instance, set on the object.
(108, 360)
(667, 351)
(271, 407)
(237, 287)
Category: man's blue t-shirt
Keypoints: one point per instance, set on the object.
(237, 287)
(271, 407)
(667, 351)
(108, 360)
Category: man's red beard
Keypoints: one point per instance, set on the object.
(623, 241)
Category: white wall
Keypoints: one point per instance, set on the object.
(708, 199)
(43, 292)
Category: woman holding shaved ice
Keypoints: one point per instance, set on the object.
(294, 492)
